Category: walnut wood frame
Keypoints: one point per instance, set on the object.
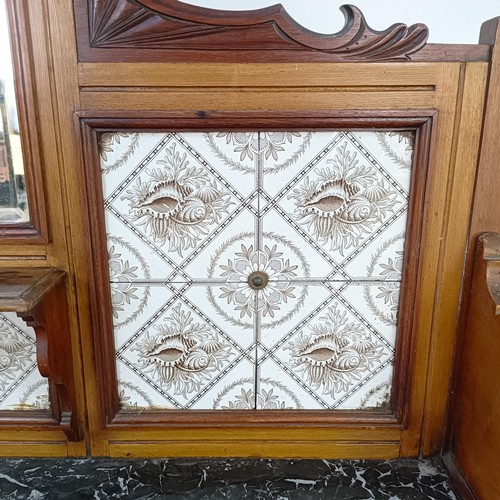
(173, 31)
(36, 230)
(91, 124)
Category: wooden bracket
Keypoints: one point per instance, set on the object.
(38, 296)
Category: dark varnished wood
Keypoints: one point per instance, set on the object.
(173, 31)
(475, 413)
(36, 230)
(92, 124)
(174, 25)
(38, 296)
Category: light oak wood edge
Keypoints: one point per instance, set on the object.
(463, 167)
(226, 76)
(256, 449)
(429, 273)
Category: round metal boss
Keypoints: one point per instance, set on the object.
(258, 280)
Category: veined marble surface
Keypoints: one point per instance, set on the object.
(35, 479)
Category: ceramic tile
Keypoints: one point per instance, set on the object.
(175, 200)
(392, 149)
(278, 388)
(380, 259)
(306, 256)
(21, 385)
(135, 307)
(336, 349)
(132, 258)
(289, 156)
(342, 204)
(232, 243)
(180, 353)
(122, 153)
(319, 217)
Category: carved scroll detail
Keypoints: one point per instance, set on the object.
(170, 24)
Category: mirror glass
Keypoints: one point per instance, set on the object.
(13, 198)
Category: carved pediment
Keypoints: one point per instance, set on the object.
(173, 25)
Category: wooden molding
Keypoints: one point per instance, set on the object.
(173, 31)
(38, 296)
(36, 230)
(94, 123)
(169, 23)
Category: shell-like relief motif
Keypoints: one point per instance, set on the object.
(169, 351)
(11, 344)
(342, 202)
(5, 359)
(165, 199)
(16, 352)
(177, 202)
(330, 198)
(335, 354)
(208, 194)
(193, 211)
(182, 355)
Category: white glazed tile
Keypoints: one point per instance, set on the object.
(280, 389)
(235, 390)
(235, 169)
(393, 150)
(21, 385)
(180, 352)
(290, 316)
(287, 156)
(307, 258)
(374, 394)
(176, 201)
(381, 258)
(121, 153)
(234, 240)
(376, 304)
(344, 202)
(132, 259)
(336, 351)
(135, 307)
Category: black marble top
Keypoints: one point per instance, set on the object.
(35, 479)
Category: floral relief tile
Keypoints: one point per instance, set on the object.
(306, 255)
(180, 352)
(256, 270)
(21, 385)
(289, 156)
(135, 306)
(342, 204)
(381, 259)
(335, 351)
(210, 260)
(176, 200)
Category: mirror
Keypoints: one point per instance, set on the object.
(13, 198)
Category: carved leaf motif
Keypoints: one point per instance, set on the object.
(170, 24)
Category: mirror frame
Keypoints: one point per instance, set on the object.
(34, 230)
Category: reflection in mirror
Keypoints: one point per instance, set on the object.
(13, 199)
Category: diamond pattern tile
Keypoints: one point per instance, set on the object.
(256, 270)
(21, 385)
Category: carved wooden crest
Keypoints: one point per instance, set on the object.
(165, 29)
